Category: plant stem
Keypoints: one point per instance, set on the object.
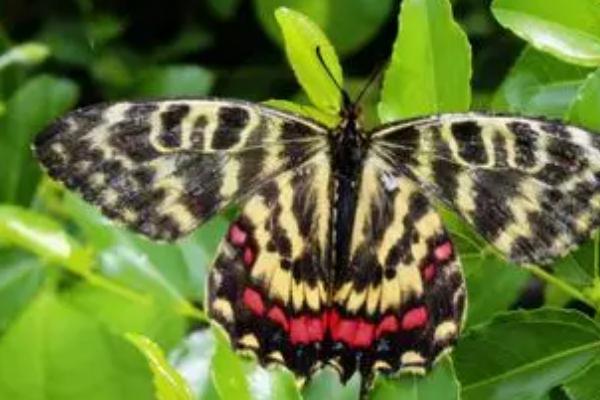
(102, 282)
(188, 310)
(562, 285)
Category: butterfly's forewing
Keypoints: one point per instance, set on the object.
(529, 186)
(268, 285)
(399, 302)
(164, 167)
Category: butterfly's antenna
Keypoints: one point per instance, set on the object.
(372, 78)
(345, 96)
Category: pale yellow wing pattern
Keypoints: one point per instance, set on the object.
(164, 167)
(399, 303)
(531, 187)
(268, 285)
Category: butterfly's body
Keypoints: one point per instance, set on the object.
(348, 148)
(337, 257)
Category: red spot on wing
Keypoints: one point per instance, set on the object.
(443, 251)
(345, 331)
(277, 315)
(364, 334)
(253, 301)
(237, 235)
(316, 332)
(388, 324)
(429, 272)
(299, 330)
(332, 319)
(248, 256)
(414, 318)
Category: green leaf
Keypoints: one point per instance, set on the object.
(168, 384)
(166, 272)
(430, 68)
(302, 39)
(577, 268)
(30, 109)
(568, 29)
(20, 278)
(522, 355)
(26, 54)
(326, 385)
(42, 236)
(155, 319)
(440, 383)
(226, 369)
(68, 41)
(539, 84)
(272, 384)
(327, 119)
(224, 9)
(190, 40)
(585, 386)
(584, 109)
(191, 358)
(55, 351)
(493, 285)
(349, 23)
(174, 80)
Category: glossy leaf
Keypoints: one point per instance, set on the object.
(158, 269)
(522, 355)
(27, 54)
(568, 29)
(43, 237)
(584, 109)
(539, 84)
(168, 384)
(440, 383)
(302, 38)
(272, 384)
(226, 370)
(20, 278)
(28, 111)
(493, 285)
(192, 358)
(326, 385)
(578, 268)
(55, 351)
(350, 24)
(327, 119)
(430, 69)
(585, 386)
(147, 316)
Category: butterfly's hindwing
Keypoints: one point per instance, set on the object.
(400, 301)
(529, 186)
(164, 167)
(268, 285)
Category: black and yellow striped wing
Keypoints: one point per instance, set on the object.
(531, 187)
(269, 284)
(399, 302)
(163, 167)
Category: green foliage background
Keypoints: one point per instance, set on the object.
(88, 310)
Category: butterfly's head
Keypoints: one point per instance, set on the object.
(350, 110)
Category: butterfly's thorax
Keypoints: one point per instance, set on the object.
(348, 148)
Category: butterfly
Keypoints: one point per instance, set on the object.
(338, 256)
